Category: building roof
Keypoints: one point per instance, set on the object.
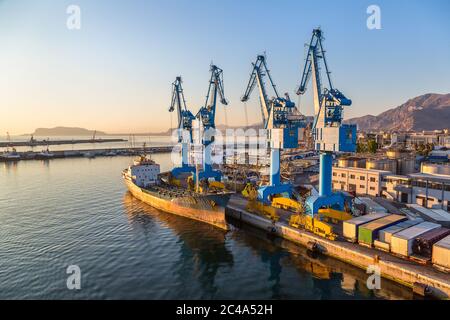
(397, 176)
(431, 177)
(364, 170)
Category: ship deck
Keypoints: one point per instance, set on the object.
(175, 191)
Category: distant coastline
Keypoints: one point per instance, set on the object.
(65, 131)
(76, 131)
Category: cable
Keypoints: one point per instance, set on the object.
(246, 114)
(226, 117)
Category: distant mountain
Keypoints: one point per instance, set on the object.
(430, 111)
(66, 131)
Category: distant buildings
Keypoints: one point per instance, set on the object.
(393, 171)
(429, 188)
(407, 140)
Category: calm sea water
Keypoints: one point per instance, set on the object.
(77, 212)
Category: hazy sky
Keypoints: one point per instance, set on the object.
(115, 73)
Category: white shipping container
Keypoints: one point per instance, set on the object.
(351, 226)
(401, 242)
(441, 253)
(385, 235)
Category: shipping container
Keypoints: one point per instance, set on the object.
(386, 234)
(351, 226)
(423, 244)
(368, 232)
(401, 242)
(441, 253)
(382, 245)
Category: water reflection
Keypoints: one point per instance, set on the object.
(10, 166)
(202, 250)
(331, 278)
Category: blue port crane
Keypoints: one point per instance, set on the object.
(282, 122)
(207, 115)
(184, 128)
(330, 134)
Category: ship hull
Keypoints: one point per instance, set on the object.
(207, 209)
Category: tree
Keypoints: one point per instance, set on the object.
(372, 146)
(361, 147)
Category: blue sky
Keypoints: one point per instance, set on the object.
(115, 73)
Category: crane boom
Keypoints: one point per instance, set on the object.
(185, 117)
(328, 102)
(256, 77)
(315, 48)
(207, 113)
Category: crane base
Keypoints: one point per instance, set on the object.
(266, 191)
(216, 174)
(180, 170)
(335, 201)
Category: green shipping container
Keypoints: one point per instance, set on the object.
(368, 232)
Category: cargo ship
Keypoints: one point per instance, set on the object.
(145, 182)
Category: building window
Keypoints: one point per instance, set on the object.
(404, 197)
(372, 179)
(361, 186)
(372, 188)
(343, 175)
(352, 176)
(362, 178)
(420, 184)
(436, 186)
(334, 174)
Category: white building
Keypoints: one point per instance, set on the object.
(144, 172)
(358, 180)
(426, 188)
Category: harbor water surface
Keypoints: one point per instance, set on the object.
(65, 212)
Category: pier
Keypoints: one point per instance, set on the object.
(87, 153)
(34, 143)
(403, 271)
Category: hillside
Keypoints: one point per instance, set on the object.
(65, 131)
(426, 112)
